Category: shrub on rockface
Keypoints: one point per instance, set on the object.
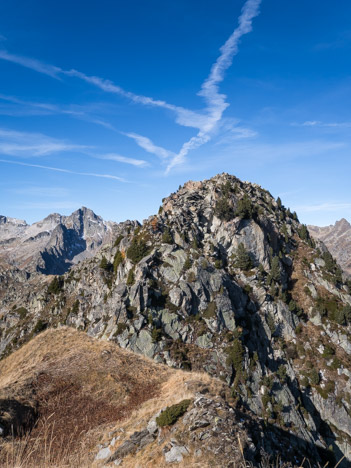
(56, 285)
(118, 241)
(40, 326)
(245, 208)
(118, 259)
(187, 264)
(106, 265)
(223, 209)
(235, 355)
(130, 278)
(22, 312)
(167, 237)
(172, 413)
(138, 249)
(242, 258)
(274, 274)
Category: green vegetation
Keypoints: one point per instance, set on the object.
(314, 377)
(105, 265)
(329, 387)
(118, 240)
(39, 326)
(242, 258)
(245, 208)
(303, 232)
(194, 243)
(187, 264)
(22, 312)
(130, 277)
(191, 277)
(120, 328)
(137, 250)
(156, 334)
(305, 235)
(328, 352)
(235, 355)
(333, 310)
(218, 264)
(172, 413)
(284, 231)
(56, 285)
(293, 307)
(332, 268)
(167, 237)
(274, 274)
(75, 307)
(223, 209)
(118, 259)
(210, 312)
(281, 373)
(270, 322)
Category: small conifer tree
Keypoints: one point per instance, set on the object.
(242, 258)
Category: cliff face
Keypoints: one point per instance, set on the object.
(337, 238)
(53, 245)
(223, 280)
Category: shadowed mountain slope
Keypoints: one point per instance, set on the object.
(53, 245)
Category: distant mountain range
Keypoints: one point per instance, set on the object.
(337, 238)
(53, 245)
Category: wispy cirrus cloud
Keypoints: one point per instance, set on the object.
(31, 63)
(343, 40)
(23, 107)
(37, 191)
(330, 207)
(149, 146)
(216, 102)
(51, 206)
(185, 117)
(66, 171)
(25, 144)
(124, 160)
(231, 130)
(318, 123)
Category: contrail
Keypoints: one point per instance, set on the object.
(216, 102)
(67, 171)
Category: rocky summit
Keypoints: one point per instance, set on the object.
(225, 281)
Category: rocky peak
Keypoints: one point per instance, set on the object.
(223, 280)
(342, 225)
(52, 245)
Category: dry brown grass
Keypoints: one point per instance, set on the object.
(76, 384)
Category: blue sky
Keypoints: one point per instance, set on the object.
(113, 105)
